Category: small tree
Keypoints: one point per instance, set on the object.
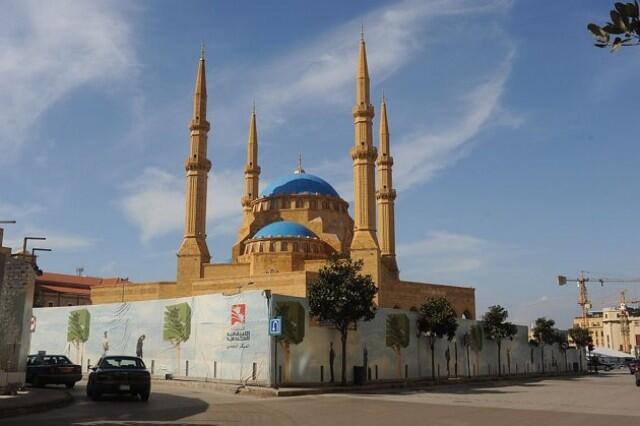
(78, 328)
(342, 296)
(293, 316)
(437, 319)
(397, 337)
(477, 342)
(624, 25)
(544, 334)
(497, 328)
(177, 327)
(581, 338)
(560, 339)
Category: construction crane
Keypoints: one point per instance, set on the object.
(624, 321)
(583, 298)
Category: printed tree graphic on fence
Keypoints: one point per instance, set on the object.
(78, 330)
(477, 337)
(177, 327)
(292, 314)
(397, 337)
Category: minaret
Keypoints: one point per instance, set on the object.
(193, 252)
(251, 170)
(386, 195)
(365, 242)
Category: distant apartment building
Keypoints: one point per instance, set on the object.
(53, 289)
(612, 328)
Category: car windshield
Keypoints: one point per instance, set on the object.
(48, 360)
(122, 362)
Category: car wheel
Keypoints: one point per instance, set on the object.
(144, 396)
(70, 385)
(37, 382)
(95, 395)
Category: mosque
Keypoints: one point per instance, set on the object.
(291, 227)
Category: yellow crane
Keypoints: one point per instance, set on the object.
(624, 321)
(583, 298)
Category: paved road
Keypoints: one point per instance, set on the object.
(603, 400)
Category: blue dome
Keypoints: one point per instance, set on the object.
(299, 183)
(284, 228)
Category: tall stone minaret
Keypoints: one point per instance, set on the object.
(386, 196)
(364, 245)
(193, 252)
(251, 170)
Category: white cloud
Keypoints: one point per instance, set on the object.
(422, 154)
(155, 202)
(441, 253)
(322, 71)
(49, 49)
(55, 240)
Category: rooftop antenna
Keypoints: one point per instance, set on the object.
(79, 271)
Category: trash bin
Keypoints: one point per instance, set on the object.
(359, 375)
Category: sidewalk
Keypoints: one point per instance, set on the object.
(264, 391)
(32, 400)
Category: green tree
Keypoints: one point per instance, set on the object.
(544, 334)
(397, 337)
(342, 296)
(624, 27)
(437, 319)
(581, 338)
(293, 317)
(497, 328)
(177, 327)
(78, 327)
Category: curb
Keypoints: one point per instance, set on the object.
(24, 407)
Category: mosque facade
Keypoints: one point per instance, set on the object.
(294, 225)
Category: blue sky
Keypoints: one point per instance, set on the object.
(515, 139)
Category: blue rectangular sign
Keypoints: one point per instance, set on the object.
(275, 326)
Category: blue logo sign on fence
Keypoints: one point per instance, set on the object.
(275, 326)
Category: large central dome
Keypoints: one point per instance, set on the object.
(299, 183)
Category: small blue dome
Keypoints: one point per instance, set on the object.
(299, 183)
(284, 228)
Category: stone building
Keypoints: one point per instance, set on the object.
(614, 329)
(290, 228)
(53, 289)
(17, 278)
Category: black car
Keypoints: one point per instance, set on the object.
(119, 374)
(52, 369)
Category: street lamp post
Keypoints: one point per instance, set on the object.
(24, 242)
(4, 222)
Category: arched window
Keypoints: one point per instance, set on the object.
(299, 204)
(284, 246)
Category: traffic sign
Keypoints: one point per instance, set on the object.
(275, 326)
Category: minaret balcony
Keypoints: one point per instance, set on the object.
(197, 165)
(197, 124)
(387, 194)
(363, 110)
(364, 153)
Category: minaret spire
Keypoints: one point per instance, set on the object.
(251, 169)
(386, 196)
(365, 242)
(193, 252)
